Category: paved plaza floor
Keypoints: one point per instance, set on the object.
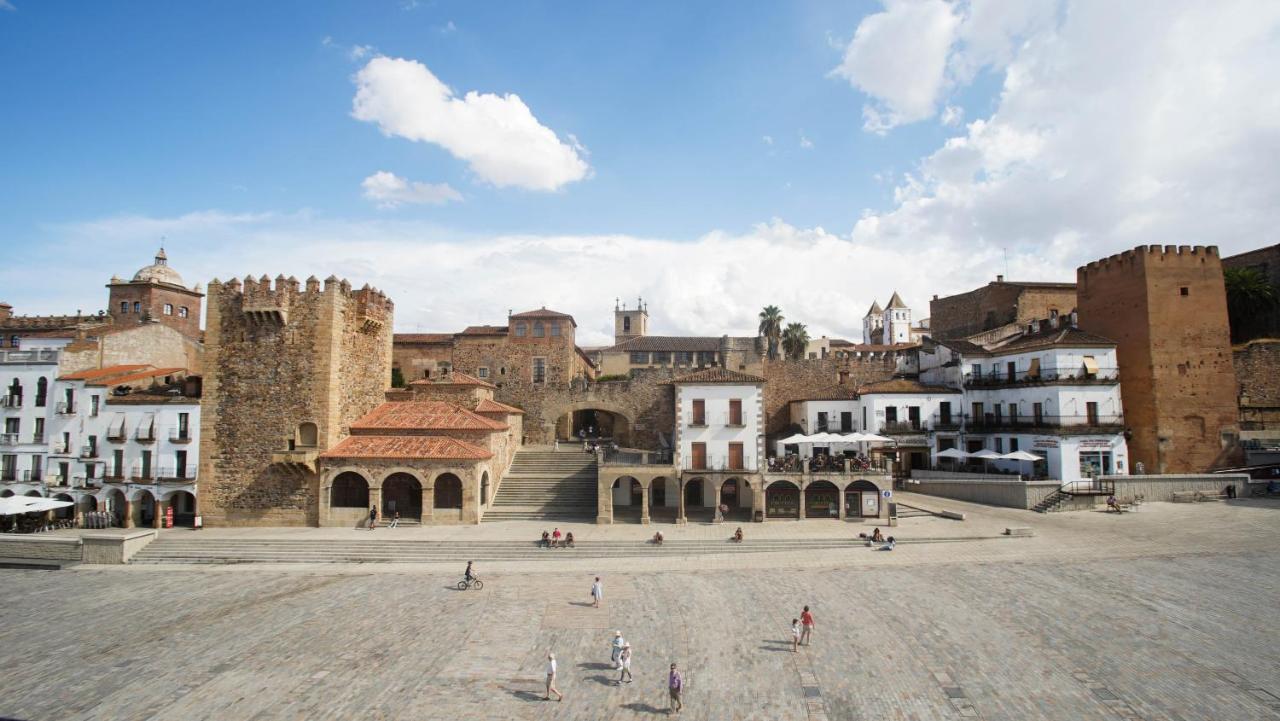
(1170, 613)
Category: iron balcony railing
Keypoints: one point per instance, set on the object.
(946, 421)
(631, 457)
(8, 474)
(1101, 422)
(179, 435)
(8, 439)
(65, 409)
(89, 452)
(37, 438)
(891, 427)
(10, 401)
(717, 463)
(143, 474)
(34, 476)
(178, 473)
(997, 378)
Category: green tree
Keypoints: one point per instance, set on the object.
(1250, 297)
(794, 340)
(771, 328)
(397, 378)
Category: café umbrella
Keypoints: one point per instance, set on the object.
(16, 505)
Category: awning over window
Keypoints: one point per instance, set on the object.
(1090, 365)
(1034, 370)
(116, 429)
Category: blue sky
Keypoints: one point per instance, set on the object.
(731, 147)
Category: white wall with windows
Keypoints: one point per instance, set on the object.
(26, 404)
(896, 412)
(710, 435)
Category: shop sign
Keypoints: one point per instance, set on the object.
(887, 494)
(1095, 443)
(1045, 443)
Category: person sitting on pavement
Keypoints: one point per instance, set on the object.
(657, 538)
(546, 540)
(876, 536)
(568, 539)
(889, 544)
(555, 537)
(737, 535)
(1113, 505)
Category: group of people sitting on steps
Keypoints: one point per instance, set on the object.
(877, 537)
(553, 540)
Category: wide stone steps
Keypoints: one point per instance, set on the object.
(546, 486)
(226, 551)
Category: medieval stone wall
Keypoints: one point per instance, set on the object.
(1166, 308)
(788, 380)
(997, 304)
(1257, 366)
(276, 358)
(152, 343)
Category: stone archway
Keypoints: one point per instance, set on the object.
(822, 500)
(782, 500)
(402, 493)
(862, 500)
(614, 424)
(448, 492)
(349, 490)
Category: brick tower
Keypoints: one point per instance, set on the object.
(287, 370)
(1167, 310)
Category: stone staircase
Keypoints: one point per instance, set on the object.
(546, 485)
(195, 549)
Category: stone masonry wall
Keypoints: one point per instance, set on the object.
(328, 363)
(1257, 365)
(788, 380)
(994, 305)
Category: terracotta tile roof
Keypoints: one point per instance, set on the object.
(407, 447)
(542, 313)
(903, 385)
(425, 415)
(964, 347)
(139, 376)
(491, 406)
(484, 330)
(670, 343)
(1060, 336)
(422, 338)
(454, 378)
(835, 393)
(719, 375)
(94, 373)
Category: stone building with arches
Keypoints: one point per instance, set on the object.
(434, 454)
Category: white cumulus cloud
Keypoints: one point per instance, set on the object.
(497, 135)
(899, 58)
(389, 190)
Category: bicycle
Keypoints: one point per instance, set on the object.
(475, 583)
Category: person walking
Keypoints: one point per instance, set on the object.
(675, 687)
(616, 646)
(597, 593)
(795, 635)
(624, 661)
(373, 517)
(395, 520)
(806, 627)
(551, 679)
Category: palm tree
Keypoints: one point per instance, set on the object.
(771, 328)
(794, 340)
(1250, 296)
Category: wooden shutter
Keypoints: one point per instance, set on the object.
(735, 456)
(699, 455)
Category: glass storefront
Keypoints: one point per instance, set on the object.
(1095, 463)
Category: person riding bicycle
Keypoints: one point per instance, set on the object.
(467, 574)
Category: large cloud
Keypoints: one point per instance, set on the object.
(1117, 124)
(497, 135)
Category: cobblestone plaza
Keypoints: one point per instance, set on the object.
(1157, 621)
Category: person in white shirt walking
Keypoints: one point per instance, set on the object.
(618, 643)
(551, 679)
(624, 663)
(597, 593)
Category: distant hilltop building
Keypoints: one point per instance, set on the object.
(892, 325)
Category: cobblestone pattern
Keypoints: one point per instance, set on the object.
(1183, 638)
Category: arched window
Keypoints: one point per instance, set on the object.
(448, 491)
(307, 435)
(484, 489)
(350, 490)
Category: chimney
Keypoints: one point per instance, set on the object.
(999, 278)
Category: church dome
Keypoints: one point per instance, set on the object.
(159, 272)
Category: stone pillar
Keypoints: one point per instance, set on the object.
(428, 503)
(680, 519)
(604, 501)
(842, 502)
(158, 521)
(128, 514)
(761, 498)
(644, 504)
(802, 487)
(375, 501)
(715, 514)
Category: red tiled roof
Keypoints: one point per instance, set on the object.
(139, 376)
(454, 378)
(544, 313)
(407, 447)
(484, 330)
(835, 393)
(422, 338)
(93, 373)
(719, 375)
(491, 406)
(425, 415)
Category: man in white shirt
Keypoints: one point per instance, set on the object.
(551, 679)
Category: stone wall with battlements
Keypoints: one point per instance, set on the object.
(1166, 308)
(276, 356)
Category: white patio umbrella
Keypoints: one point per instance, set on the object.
(796, 439)
(1021, 456)
(47, 504)
(952, 453)
(16, 505)
(987, 455)
(871, 437)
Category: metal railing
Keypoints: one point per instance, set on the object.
(145, 434)
(632, 457)
(996, 378)
(179, 435)
(717, 463)
(37, 437)
(178, 473)
(904, 427)
(33, 476)
(89, 452)
(8, 439)
(141, 474)
(65, 409)
(10, 401)
(947, 422)
(9, 474)
(1101, 421)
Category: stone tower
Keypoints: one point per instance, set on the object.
(897, 321)
(1167, 310)
(872, 323)
(156, 294)
(288, 368)
(628, 324)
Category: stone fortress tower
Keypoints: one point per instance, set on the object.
(1166, 308)
(628, 324)
(288, 369)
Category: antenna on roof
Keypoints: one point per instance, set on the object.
(1006, 260)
